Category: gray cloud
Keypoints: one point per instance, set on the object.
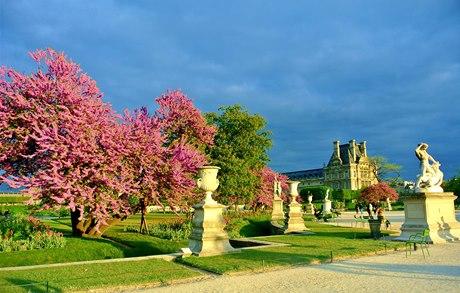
(386, 72)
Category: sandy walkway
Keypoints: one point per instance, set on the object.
(393, 272)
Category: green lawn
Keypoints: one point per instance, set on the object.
(92, 276)
(328, 241)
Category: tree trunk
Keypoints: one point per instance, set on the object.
(92, 231)
(143, 229)
(76, 223)
(87, 227)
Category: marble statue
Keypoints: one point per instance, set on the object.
(327, 195)
(277, 188)
(430, 177)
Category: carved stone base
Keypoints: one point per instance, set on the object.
(294, 221)
(327, 206)
(433, 211)
(208, 235)
(277, 213)
(309, 209)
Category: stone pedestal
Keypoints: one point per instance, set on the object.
(294, 221)
(327, 206)
(310, 209)
(433, 211)
(208, 234)
(277, 213)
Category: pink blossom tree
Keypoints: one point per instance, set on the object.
(69, 149)
(164, 150)
(188, 135)
(264, 195)
(378, 192)
(57, 141)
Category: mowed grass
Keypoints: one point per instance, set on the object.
(85, 277)
(328, 243)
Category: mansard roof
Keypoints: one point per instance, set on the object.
(305, 174)
(346, 156)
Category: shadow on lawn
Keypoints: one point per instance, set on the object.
(19, 285)
(131, 244)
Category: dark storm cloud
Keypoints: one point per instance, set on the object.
(385, 72)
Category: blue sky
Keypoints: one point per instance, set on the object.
(387, 72)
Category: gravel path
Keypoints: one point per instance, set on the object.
(392, 272)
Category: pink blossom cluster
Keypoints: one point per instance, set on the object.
(378, 192)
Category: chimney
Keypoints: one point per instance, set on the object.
(352, 149)
(337, 149)
(363, 148)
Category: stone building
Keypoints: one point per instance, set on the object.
(348, 168)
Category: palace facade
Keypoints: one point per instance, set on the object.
(348, 168)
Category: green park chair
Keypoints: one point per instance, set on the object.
(418, 238)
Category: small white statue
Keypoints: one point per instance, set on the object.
(327, 195)
(277, 189)
(430, 177)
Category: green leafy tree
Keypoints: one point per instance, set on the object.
(240, 149)
(385, 171)
(453, 185)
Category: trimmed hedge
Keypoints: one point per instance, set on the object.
(13, 199)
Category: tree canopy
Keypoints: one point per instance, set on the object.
(385, 171)
(240, 150)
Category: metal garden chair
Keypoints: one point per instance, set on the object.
(419, 238)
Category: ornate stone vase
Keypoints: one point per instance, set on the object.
(208, 181)
(293, 190)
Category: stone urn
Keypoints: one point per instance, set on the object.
(208, 181)
(293, 190)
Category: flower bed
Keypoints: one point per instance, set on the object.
(20, 232)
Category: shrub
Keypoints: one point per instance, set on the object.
(20, 232)
(247, 224)
(238, 225)
(176, 230)
(345, 194)
(338, 205)
(318, 192)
